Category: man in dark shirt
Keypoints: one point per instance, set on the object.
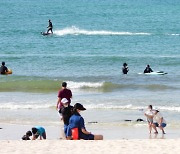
(63, 93)
(3, 68)
(148, 69)
(50, 27)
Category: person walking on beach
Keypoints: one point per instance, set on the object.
(149, 114)
(159, 122)
(38, 131)
(3, 68)
(77, 121)
(50, 27)
(148, 69)
(125, 68)
(63, 93)
(66, 112)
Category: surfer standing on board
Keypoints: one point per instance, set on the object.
(50, 27)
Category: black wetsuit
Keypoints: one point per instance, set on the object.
(148, 70)
(125, 70)
(50, 27)
(3, 69)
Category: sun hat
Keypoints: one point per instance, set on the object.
(64, 101)
(79, 107)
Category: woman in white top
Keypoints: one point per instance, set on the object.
(158, 121)
(149, 114)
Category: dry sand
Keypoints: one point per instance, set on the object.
(132, 146)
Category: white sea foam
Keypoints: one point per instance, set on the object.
(175, 34)
(76, 31)
(78, 85)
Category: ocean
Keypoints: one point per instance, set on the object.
(91, 41)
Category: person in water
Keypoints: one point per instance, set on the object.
(50, 27)
(77, 121)
(148, 69)
(3, 69)
(125, 68)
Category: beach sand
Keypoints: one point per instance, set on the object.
(132, 146)
(128, 141)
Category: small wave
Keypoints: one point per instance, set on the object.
(174, 34)
(76, 31)
(128, 107)
(13, 106)
(44, 85)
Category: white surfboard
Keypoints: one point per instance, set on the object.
(155, 73)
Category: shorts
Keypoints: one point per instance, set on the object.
(162, 125)
(87, 136)
(150, 120)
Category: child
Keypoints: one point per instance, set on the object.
(26, 137)
(38, 131)
(66, 112)
(159, 121)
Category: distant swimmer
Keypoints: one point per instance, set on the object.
(3, 69)
(148, 69)
(50, 27)
(125, 68)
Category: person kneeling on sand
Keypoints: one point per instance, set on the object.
(27, 136)
(38, 131)
(77, 121)
(159, 122)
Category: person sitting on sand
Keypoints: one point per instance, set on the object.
(148, 69)
(159, 122)
(38, 131)
(66, 112)
(149, 114)
(125, 68)
(3, 69)
(77, 121)
(27, 136)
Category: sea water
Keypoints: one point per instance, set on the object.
(91, 41)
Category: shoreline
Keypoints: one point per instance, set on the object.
(133, 146)
(16, 131)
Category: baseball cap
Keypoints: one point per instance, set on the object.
(64, 100)
(79, 107)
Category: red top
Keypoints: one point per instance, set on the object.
(65, 93)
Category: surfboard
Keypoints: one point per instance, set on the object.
(155, 73)
(45, 33)
(9, 72)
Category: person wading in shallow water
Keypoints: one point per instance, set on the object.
(3, 69)
(125, 68)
